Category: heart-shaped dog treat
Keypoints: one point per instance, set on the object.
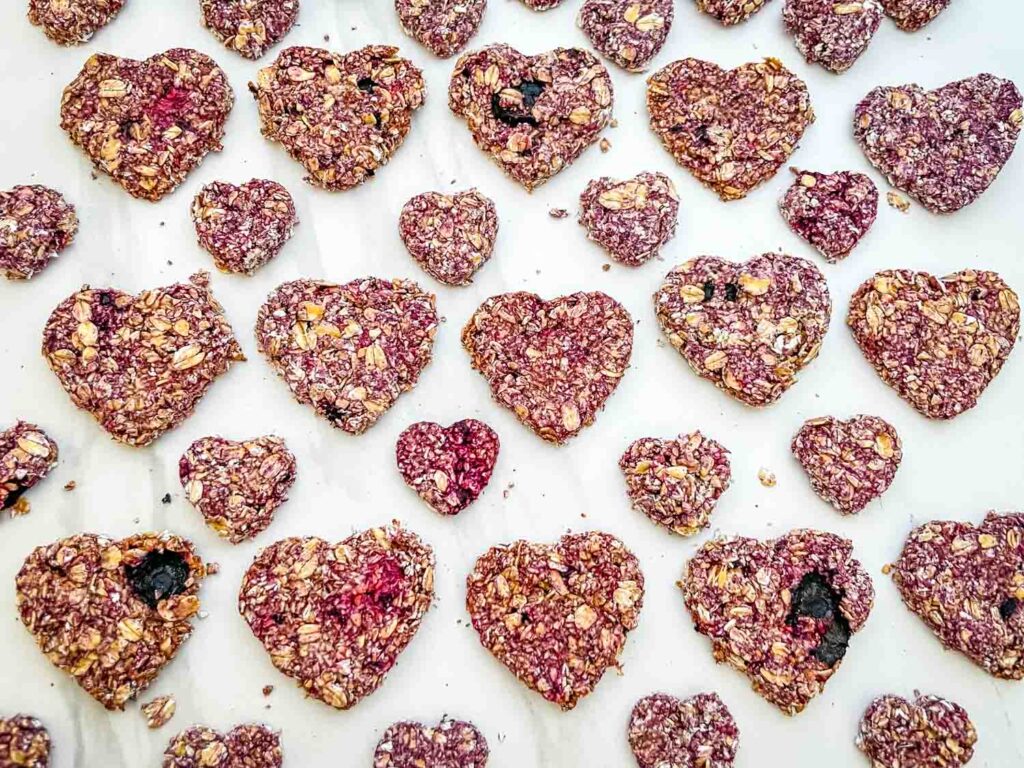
(249, 27)
(451, 236)
(71, 22)
(533, 114)
(782, 611)
(449, 744)
(731, 129)
(244, 746)
(937, 342)
(443, 26)
(944, 147)
(448, 467)
(630, 219)
(730, 12)
(348, 350)
(749, 328)
(698, 732)
(927, 732)
(335, 617)
(27, 454)
(557, 615)
(36, 224)
(541, 5)
(629, 32)
(965, 582)
(111, 613)
(341, 115)
(140, 364)
(552, 363)
(24, 743)
(833, 34)
(911, 15)
(148, 123)
(831, 211)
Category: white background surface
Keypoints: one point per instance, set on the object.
(950, 470)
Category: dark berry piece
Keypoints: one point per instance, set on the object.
(1008, 607)
(709, 290)
(159, 575)
(519, 112)
(814, 598)
(731, 291)
(366, 84)
(12, 498)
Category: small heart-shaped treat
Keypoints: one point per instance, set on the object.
(71, 22)
(732, 129)
(237, 486)
(630, 219)
(443, 26)
(833, 34)
(243, 227)
(781, 611)
(541, 5)
(450, 236)
(36, 224)
(350, 350)
(831, 211)
(27, 454)
(449, 744)
(676, 483)
(111, 613)
(911, 15)
(148, 123)
(698, 732)
(140, 364)
(964, 581)
(747, 327)
(249, 27)
(342, 116)
(244, 746)
(533, 114)
(937, 342)
(552, 363)
(448, 467)
(926, 732)
(335, 617)
(729, 12)
(24, 743)
(629, 32)
(944, 147)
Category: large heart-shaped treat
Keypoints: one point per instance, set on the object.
(341, 115)
(348, 350)
(927, 732)
(71, 22)
(833, 34)
(782, 611)
(552, 363)
(831, 211)
(630, 219)
(911, 15)
(749, 328)
(148, 123)
(730, 12)
(335, 617)
(731, 129)
(533, 114)
(966, 582)
(557, 615)
(111, 613)
(449, 744)
(24, 743)
(937, 342)
(244, 746)
(443, 26)
(36, 224)
(944, 147)
(140, 364)
(27, 454)
(698, 732)
(249, 27)
(629, 32)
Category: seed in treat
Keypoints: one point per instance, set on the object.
(929, 731)
(443, 26)
(629, 32)
(248, 746)
(832, 33)
(831, 211)
(732, 129)
(533, 114)
(630, 219)
(27, 454)
(730, 12)
(250, 27)
(552, 363)
(911, 15)
(449, 744)
(698, 732)
(36, 224)
(937, 342)
(159, 711)
(557, 615)
(24, 743)
(72, 22)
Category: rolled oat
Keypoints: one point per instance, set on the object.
(450, 236)
(159, 711)
(630, 219)
(36, 224)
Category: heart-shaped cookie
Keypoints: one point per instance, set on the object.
(730, 12)
(911, 15)
(335, 617)
(27, 454)
(249, 27)
(24, 743)
(944, 147)
(36, 224)
(148, 123)
(557, 615)
(348, 350)
(781, 611)
(451, 236)
(749, 328)
(927, 732)
(341, 115)
(831, 211)
(443, 26)
(731, 129)
(541, 5)
(448, 467)
(552, 363)
(629, 32)
(449, 744)
(630, 219)
(533, 114)
(244, 746)
(833, 34)
(71, 22)
(698, 732)
(937, 342)
(111, 613)
(140, 364)
(966, 582)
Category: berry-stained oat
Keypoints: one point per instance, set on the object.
(27, 454)
(938, 342)
(911, 15)
(111, 613)
(443, 26)
(552, 363)
(782, 611)
(449, 744)
(148, 123)
(629, 32)
(159, 711)
(944, 147)
(833, 33)
(533, 114)
(350, 350)
(450, 236)
(750, 327)
(730, 12)
(140, 364)
(244, 746)
(342, 116)
(71, 22)
(698, 732)
(36, 224)
(831, 211)
(557, 615)
(966, 582)
(249, 27)
(630, 219)
(929, 731)
(24, 743)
